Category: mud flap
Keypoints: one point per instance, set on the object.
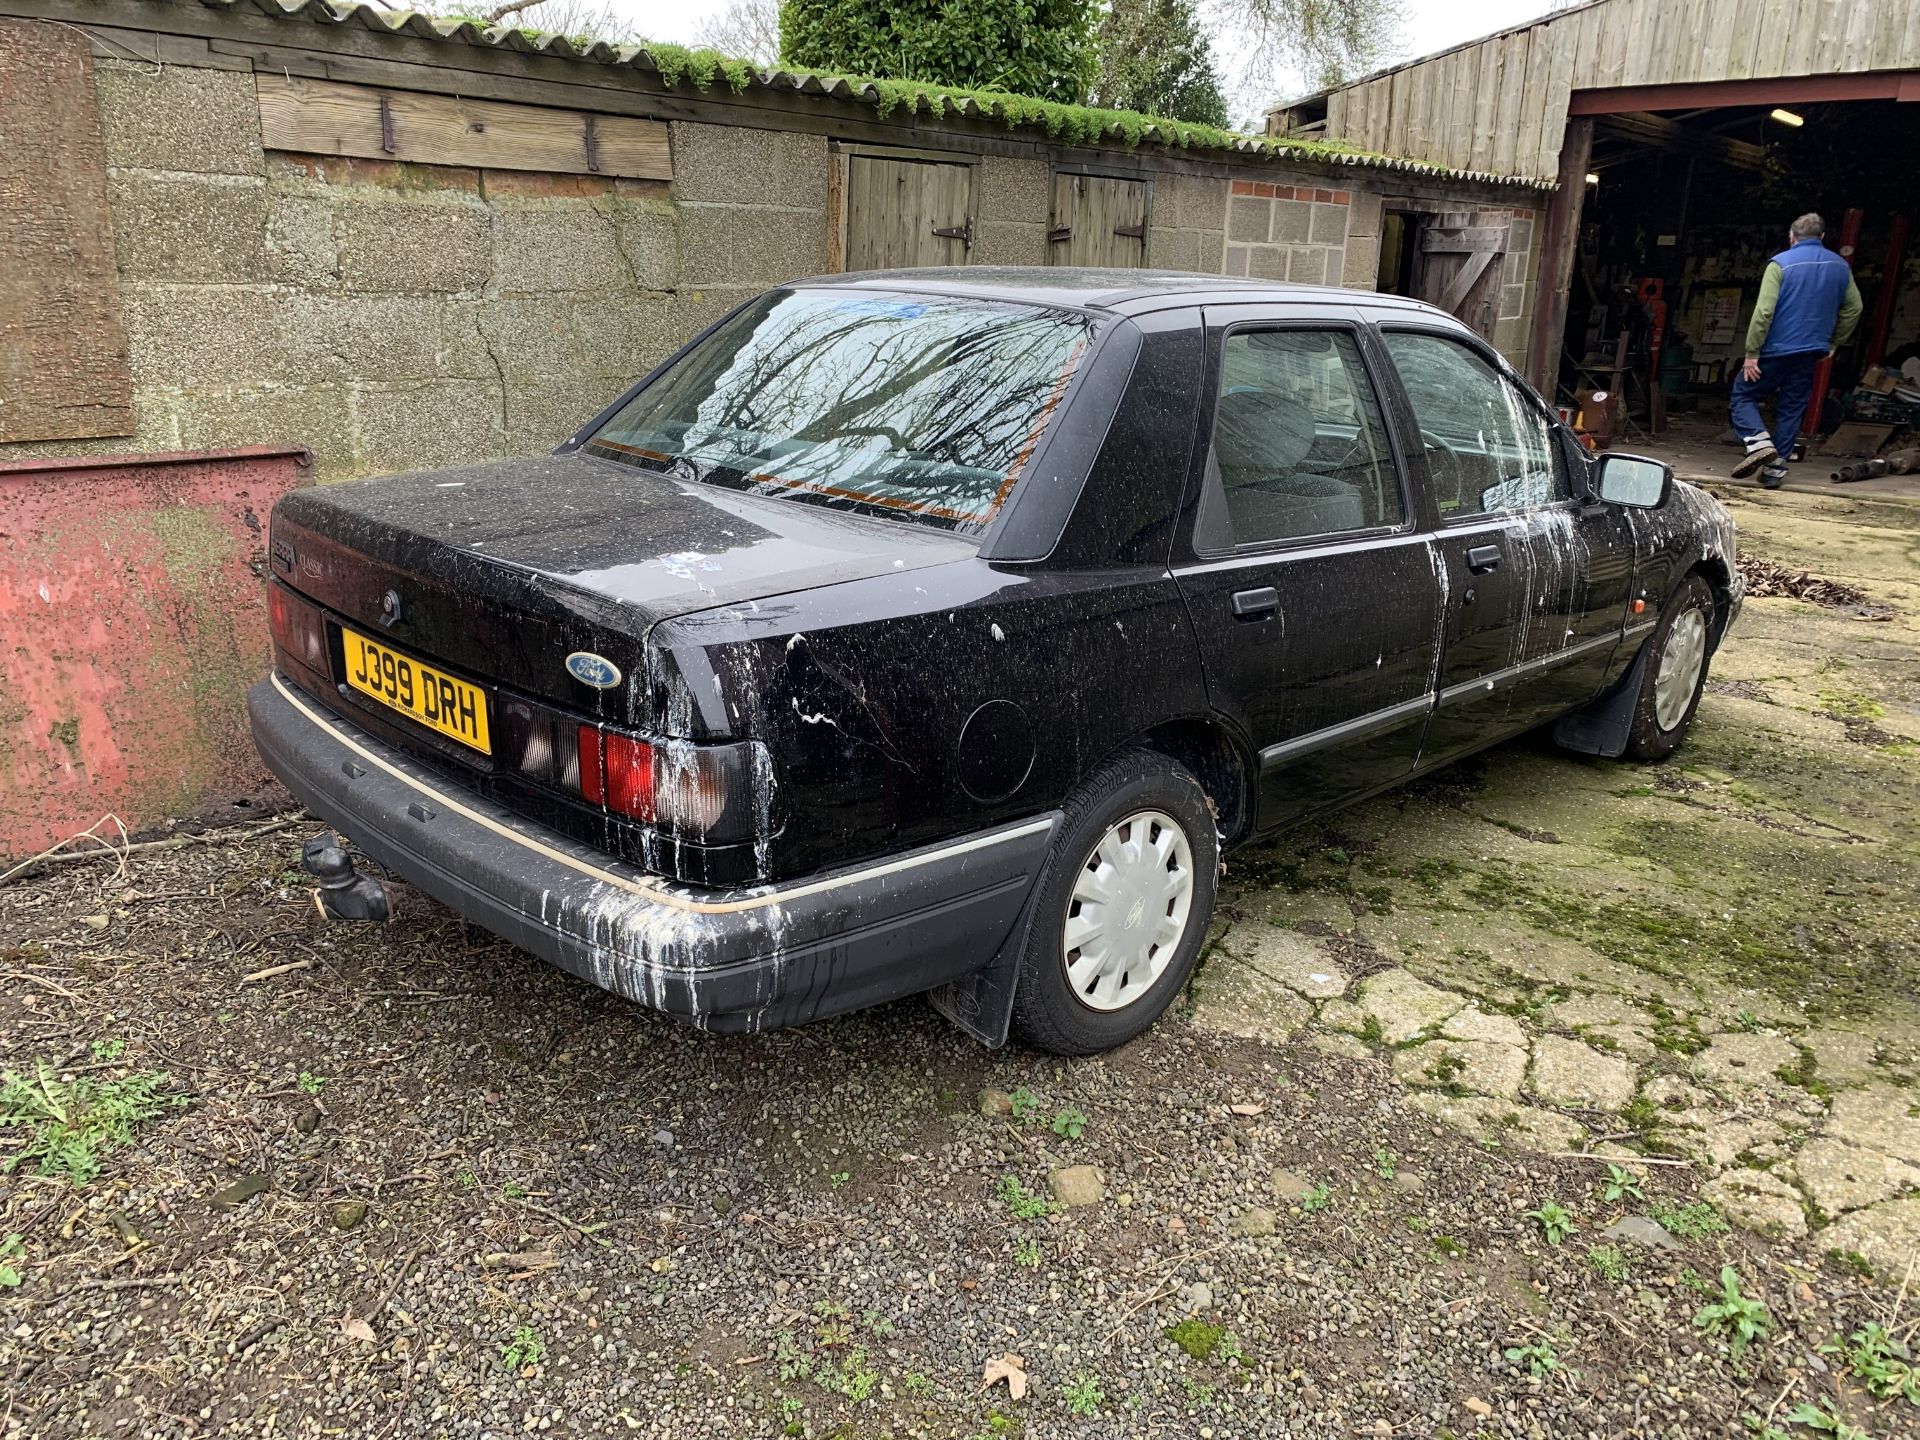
(982, 1003)
(1602, 726)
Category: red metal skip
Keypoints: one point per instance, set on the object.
(132, 620)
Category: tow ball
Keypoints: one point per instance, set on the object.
(341, 891)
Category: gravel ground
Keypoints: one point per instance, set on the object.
(425, 1185)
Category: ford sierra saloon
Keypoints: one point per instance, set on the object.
(935, 632)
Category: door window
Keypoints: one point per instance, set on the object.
(1489, 449)
(1299, 449)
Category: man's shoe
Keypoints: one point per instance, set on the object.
(1773, 477)
(1754, 460)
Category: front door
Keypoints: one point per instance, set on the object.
(902, 213)
(1535, 581)
(1099, 220)
(1310, 587)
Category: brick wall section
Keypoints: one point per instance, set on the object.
(1296, 233)
(393, 316)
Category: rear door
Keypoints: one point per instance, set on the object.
(902, 212)
(1099, 220)
(1311, 588)
(1536, 582)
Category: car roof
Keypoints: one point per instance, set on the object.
(1126, 291)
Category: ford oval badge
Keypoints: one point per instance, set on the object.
(594, 670)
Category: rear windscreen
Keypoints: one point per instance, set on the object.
(922, 407)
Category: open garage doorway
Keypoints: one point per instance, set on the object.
(1683, 204)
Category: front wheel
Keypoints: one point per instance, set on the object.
(1676, 673)
(1123, 907)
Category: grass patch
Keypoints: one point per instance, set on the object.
(70, 1126)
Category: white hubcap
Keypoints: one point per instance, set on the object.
(1680, 664)
(1129, 908)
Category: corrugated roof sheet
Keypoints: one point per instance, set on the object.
(972, 105)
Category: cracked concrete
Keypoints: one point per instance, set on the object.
(1710, 961)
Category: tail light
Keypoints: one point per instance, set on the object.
(715, 794)
(297, 629)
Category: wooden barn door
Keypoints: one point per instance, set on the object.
(901, 213)
(1458, 267)
(1099, 220)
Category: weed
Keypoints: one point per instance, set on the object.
(1025, 1103)
(1199, 1393)
(468, 1179)
(514, 1190)
(1196, 1337)
(856, 1380)
(1878, 1361)
(69, 1125)
(1069, 1123)
(524, 1349)
(1024, 1204)
(1371, 1032)
(1555, 1223)
(877, 1324)
(1317, 1198)
(790, 1361)
(916, 1384)
(1690, 1222)
(839, 1178)
(1084, 1396)
(1823, 1419)
(1026, 1251)
(1748, 1021)
(109, 1049)
(1539, 1358)
(1620, 1182)
(1384, 1162)
(311, 1083)
(12, 1249)
(1641, 1114)
(1739, 1320)
(1610, 1261)
(1448, 1248)
(1230, 1352)
(790, 1408)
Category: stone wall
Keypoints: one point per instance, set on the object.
(393, 315)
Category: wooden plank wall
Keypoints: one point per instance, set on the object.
(1500, 104)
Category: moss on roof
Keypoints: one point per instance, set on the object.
(703, 69)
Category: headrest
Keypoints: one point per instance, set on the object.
(1259, 429)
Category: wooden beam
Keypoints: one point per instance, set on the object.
(1560, 236)
(1655, 132)
(1718, 94)
(320, 117)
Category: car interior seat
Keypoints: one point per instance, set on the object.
(1260, 440)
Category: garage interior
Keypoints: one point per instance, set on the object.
(1683, 208)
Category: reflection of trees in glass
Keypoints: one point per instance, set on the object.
(921, 405)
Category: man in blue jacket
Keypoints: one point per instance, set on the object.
(1808, 308)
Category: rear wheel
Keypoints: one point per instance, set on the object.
(1123, 907)
(1676, 673)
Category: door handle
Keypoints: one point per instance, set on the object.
(1255, 604)
(1482, 558)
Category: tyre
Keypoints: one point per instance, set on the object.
(1676, 673)
(1123, 907)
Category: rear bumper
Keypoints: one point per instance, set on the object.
(725, 960)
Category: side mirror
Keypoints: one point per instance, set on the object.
(1633, 480)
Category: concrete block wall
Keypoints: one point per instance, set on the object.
(1296, 233)
(393, 316)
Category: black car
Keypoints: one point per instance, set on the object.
(936, 631)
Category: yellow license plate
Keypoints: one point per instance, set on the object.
(437, 700)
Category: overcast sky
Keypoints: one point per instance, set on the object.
(1430, 25)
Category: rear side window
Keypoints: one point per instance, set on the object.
(1298, 444)
(1489, 449)
(924, 407)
